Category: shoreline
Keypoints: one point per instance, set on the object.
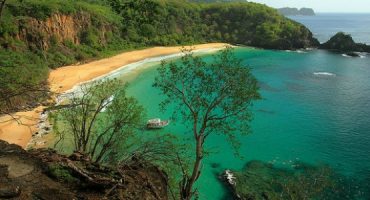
(20, 129)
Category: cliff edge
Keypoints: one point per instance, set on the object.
(44, 174)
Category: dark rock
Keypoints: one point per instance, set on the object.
(215, 165)
(4, 172)
(5, 147)
(46, 194)
(10, 192)
(353, 54)
(45, 174)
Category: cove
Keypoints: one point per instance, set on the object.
(315, 109)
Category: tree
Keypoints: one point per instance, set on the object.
(100, 118)
(213, 97)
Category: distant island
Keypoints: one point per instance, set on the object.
(295, 11)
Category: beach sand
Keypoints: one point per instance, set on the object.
(65, 78)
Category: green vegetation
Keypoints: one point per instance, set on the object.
(155, 22)
(61, 173)
(213, 98)
(260, 180)
(344, 43)
(28, 49)
(39, 34)
(100, 119)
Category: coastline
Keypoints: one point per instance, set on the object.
(20, 128)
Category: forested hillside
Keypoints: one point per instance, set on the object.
(36, 35)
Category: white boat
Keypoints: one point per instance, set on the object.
(157, 123)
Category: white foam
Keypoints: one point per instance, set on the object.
(230, 177)
(300, 51)
(107, 103)
(324, 74)
(345, 55)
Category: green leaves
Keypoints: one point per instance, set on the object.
(101, 118)
(215, 96)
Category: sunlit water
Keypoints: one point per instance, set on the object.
(315, 109)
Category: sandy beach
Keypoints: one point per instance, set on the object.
(19, 130)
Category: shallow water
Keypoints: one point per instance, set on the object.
(315, 109)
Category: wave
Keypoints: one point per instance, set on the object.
(362, 54)
(359, 55)
(300, 51)
(324, 74)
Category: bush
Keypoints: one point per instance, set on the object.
(61, 174)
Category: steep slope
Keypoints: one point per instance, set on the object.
(44, 174)
(36, 35)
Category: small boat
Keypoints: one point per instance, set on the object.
(157, 123)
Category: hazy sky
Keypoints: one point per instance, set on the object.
(322, 5)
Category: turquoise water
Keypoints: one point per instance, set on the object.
(325, 25)
(315, 109)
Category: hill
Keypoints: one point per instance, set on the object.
(295, 11)
(38, 35)
(344, 43)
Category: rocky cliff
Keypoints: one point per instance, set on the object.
(59, 28)
(344, 43)
(44, 174)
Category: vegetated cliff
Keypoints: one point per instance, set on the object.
(344, 43)
(295, 11)
(43, 174)
(36, 35)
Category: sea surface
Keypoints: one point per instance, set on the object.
(325, 25)
(315, 109)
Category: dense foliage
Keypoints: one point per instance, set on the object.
(155, 22)
(109, 26)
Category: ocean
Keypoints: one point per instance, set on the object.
(325, 25)
(315, 109)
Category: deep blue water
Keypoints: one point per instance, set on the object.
(325, 25)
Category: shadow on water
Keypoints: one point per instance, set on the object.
(261, 180)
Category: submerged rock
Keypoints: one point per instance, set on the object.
(260, 181)
(215, 165)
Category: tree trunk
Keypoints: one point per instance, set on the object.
(187, 191)
(2, 5)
